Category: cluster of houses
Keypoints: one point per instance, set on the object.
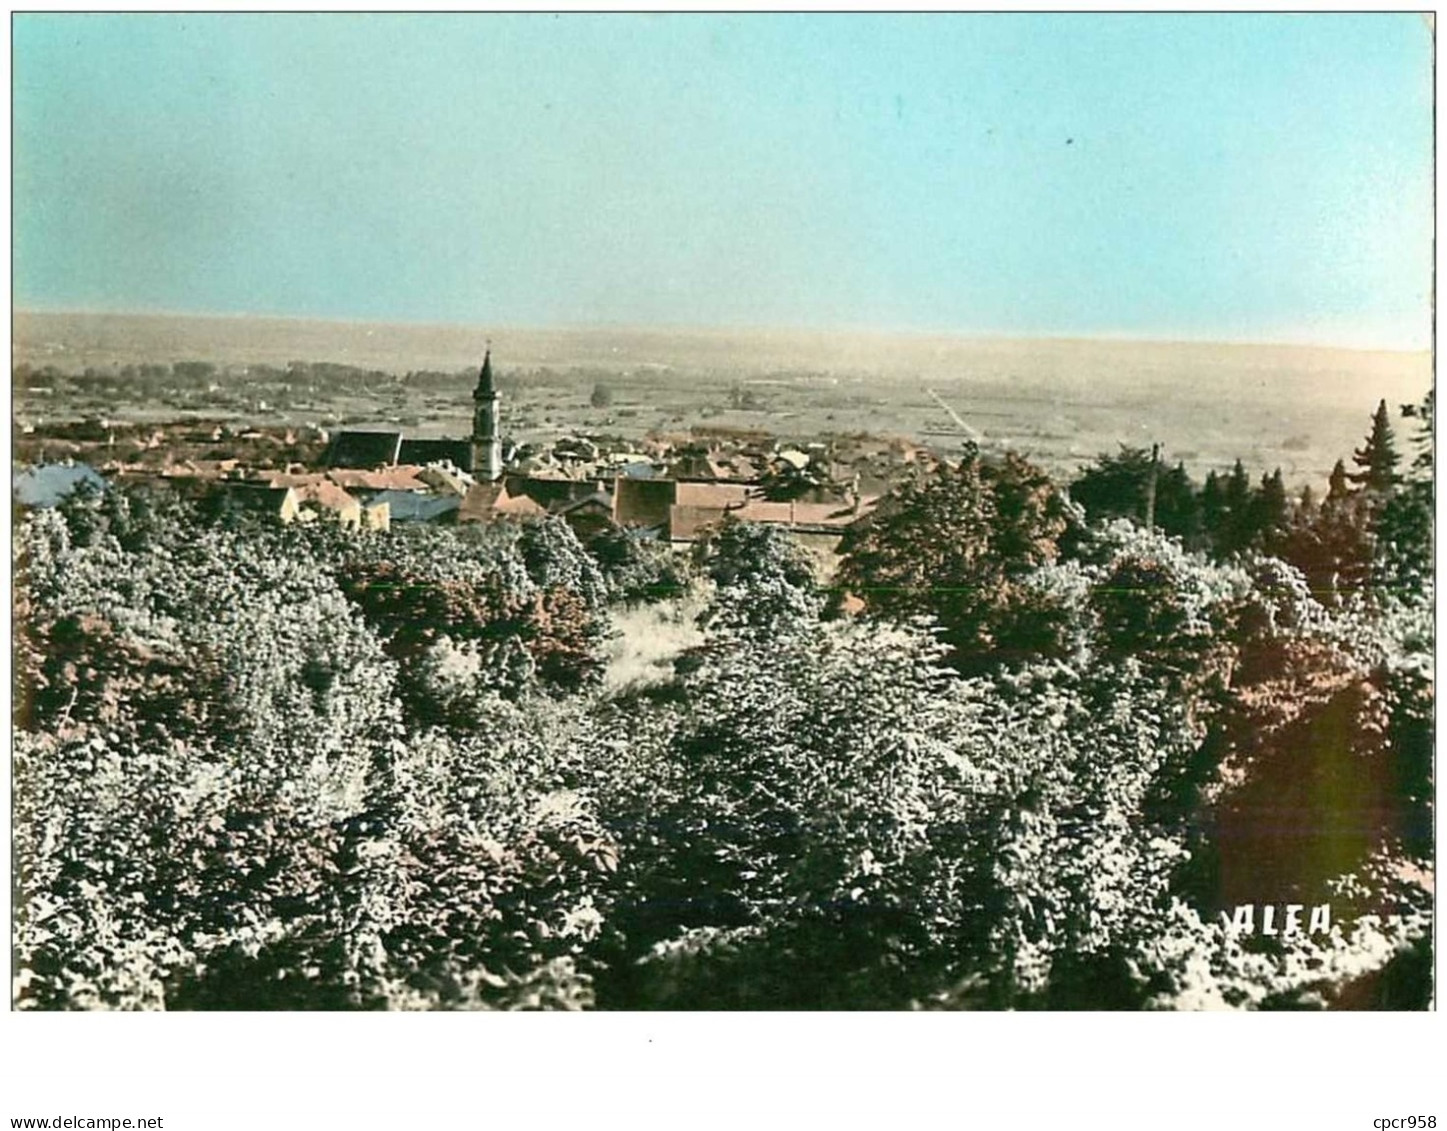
(672, 490)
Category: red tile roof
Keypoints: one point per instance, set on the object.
(403, 477)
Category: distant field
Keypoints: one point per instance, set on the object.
(1299, 408)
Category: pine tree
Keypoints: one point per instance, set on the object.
(1425, 439)
(1338, 487)
(1270, 510)
(1213, 506)
(1236, 528)
(1115, 485)
(1333, 544)
(1405, 523)
(1178, 510)
(1378, 458)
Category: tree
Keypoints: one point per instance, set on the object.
(783, 482)
(1160, 607)
(958, 544)
(1272, 511)
(793, 837)
(1424, 413)
(207, 707)
(637, 569)
(1115, 485)
(1333, 544)
(1178, 506)
(1405, 523)
(1377, 460)
(194, 371)
(1236, 529)
(1338, 486)
(1122, 486)
(764, 581)
(1213, 505)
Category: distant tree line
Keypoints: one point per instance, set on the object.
(1372, 527)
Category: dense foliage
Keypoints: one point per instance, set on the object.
(259, 767)
(960, 545)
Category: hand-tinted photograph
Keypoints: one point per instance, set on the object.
(722, 512)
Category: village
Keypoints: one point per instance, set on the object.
(671, 488)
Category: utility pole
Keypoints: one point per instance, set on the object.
(1151, 486)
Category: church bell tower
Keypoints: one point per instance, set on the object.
(486, 440)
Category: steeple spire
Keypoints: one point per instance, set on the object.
(486, 434)
(485, 389)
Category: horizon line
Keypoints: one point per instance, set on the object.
(1097, 337)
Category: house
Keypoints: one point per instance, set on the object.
(477, 505)
(376, 516)
(447, 478)
(549, 493)
(324, 499)
(684, 512)
(281, 503)
(318, 496)
(687, 524)
(580, 501)
(720, 495)
(506, 504)
(410, 506)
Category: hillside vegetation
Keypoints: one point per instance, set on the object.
(1030, 753)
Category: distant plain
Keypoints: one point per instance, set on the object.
(1060, 401)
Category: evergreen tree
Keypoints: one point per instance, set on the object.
(1405, 523)
(1338, 486)
(1178, 508)
(1213, 506)
(1424, 440)
(1332, 544)
(1378, 459)
(1270, 511)
(1115, 486)
(1236, 527)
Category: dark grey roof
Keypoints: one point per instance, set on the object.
(413, 506)
(364, 449)
(46, 485)
(456, 452)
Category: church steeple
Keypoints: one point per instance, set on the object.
(485, 389)
(486, 413)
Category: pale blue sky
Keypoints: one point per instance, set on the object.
(1205, 176)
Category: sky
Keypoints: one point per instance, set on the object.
(1250, 177)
